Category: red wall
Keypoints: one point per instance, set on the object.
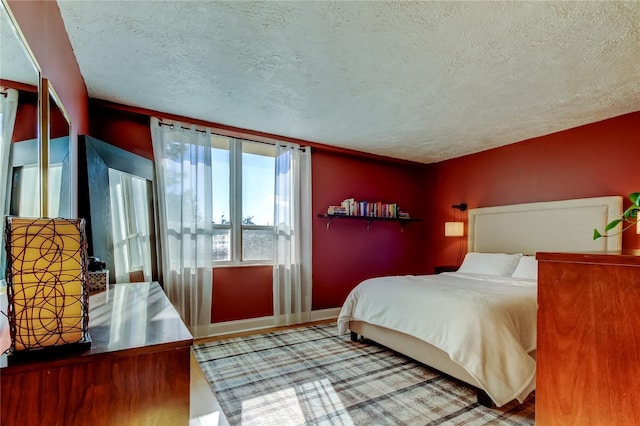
(342, 256)
(593, 160)
(242, 292)
(43, 29)
(124, 129)
(347, 252)
(26, 124)
(571, 164)
(597, 159)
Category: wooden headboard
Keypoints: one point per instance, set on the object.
(565, 225)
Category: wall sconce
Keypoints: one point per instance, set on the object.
(455, 228)
(48, 296)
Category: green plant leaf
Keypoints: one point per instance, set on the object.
(612, 224)
(630, 212)
(630, 215)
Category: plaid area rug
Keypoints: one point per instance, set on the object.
(311, 376)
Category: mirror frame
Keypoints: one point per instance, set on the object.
(49, 95)
(95, 158)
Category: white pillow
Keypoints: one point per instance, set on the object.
(490, 263)
(527, 268)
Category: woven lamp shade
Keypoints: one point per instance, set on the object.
(46, 282)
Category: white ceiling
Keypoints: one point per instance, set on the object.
(15, 62)
(422, 81)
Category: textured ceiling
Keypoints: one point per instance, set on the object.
(422, 81)
(15, 62)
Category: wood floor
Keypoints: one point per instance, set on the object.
(204, 408)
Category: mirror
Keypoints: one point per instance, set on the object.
(115, 196)
(58, 182)
(19, 78)
(19, 109)
(26, 175)
(130, 230)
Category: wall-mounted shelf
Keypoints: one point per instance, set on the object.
(367, 219)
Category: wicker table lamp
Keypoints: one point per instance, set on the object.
(46, 284)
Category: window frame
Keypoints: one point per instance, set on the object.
(236, 228)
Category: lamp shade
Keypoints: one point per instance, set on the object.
(46, 282)
(453, 229)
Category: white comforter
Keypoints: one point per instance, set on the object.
(487, 324)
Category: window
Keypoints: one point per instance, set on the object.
(243, 187)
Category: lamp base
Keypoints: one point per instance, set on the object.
(49, 353)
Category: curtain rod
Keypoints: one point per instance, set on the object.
(171, 125)
(182, 127)
(3, 93)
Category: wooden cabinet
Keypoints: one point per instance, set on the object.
(588, 355)
(137, 371)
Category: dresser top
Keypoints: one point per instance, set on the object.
(624, 257)
(135, 317)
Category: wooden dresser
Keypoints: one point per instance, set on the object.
(136, 372)
(588, 356)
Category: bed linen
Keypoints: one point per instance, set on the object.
(486, 324)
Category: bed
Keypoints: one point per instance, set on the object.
(479, 324)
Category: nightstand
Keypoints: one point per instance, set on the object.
(444, 268)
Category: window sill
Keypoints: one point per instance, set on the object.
(241, 265)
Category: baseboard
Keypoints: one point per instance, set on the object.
(232, 327)
(325, 314)
(255, 324)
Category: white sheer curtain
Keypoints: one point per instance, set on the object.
(292, 260)
(183, 172)
(8, 109)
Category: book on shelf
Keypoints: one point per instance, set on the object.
(337, 210)
(351, 207)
